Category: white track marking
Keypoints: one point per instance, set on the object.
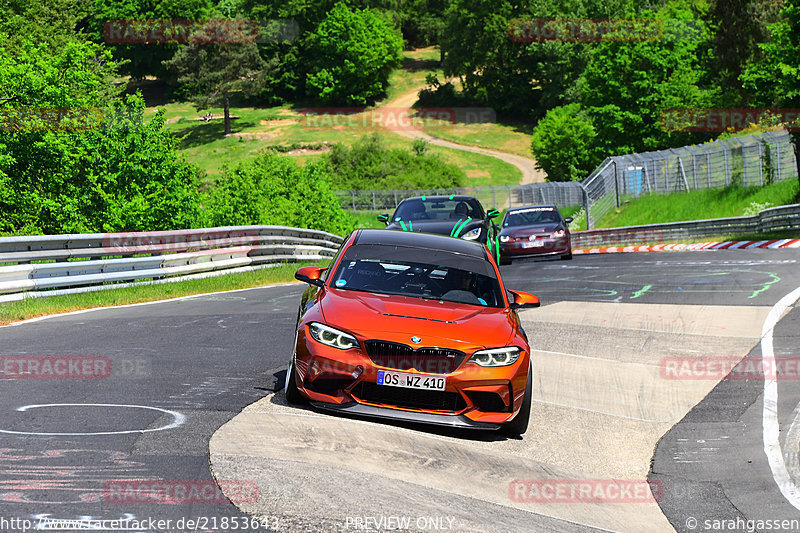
(771, 426)
(790, 454)
(178, 419)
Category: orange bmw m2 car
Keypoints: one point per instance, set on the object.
(414, 327)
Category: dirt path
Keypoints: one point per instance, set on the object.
(401, 105)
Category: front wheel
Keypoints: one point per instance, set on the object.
(567, 257)
(290, 387)
(519, 425)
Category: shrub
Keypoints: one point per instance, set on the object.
(271, 189)
(369, 164)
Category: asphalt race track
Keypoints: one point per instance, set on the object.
(173, 378)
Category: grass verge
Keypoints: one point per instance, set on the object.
(701, 204)
(34, 307)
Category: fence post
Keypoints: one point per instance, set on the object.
(780, 163)
(494, 200)
(374, 208)
(510, 203)
(395, 197)
(616, 180)
(353, 193)
(586, 206)
(761, 160)
(694, 166)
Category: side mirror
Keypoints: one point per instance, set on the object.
(311, 275)
(568, 220)
(524, 300)
(384, 219)
(493, 213)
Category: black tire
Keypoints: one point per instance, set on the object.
(293, 394)
(567, 257)
(519, 425)
(505, 260)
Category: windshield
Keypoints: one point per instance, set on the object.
(532, 216)
(451, 278)
(439, 209)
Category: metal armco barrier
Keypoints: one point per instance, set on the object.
(36, 264)
(773, 219)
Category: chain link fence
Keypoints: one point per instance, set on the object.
(753, 160)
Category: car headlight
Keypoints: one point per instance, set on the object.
(496, 356)
(472, 234)
(504, 238)
(558, 234)
(332, 337)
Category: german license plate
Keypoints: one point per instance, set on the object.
(410, 381)
(533, 244)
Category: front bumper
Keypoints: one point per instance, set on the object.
(346, 381)
(560, 246)
(369, 411)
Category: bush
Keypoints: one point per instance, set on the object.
(271, 189)
(562, 144)
(369, 164)
(351, 54)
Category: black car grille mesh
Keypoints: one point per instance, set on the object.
(409, 398)
(403, 357)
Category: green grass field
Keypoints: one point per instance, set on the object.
(255, 129)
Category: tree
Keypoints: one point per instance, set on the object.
(775, 79)
(50, 23)
(738, 26)
(212, 73)
(122, 174)
(628, 85)
(73, 158)
(563, 144)
(351, 54)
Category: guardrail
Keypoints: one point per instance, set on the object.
(772, 219)
(35, 265)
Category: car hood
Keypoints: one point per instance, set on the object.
(440, 227)
(536, 229)
(398, 318)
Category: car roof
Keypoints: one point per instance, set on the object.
(548, 206)
(442, 198)
(420, 240)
